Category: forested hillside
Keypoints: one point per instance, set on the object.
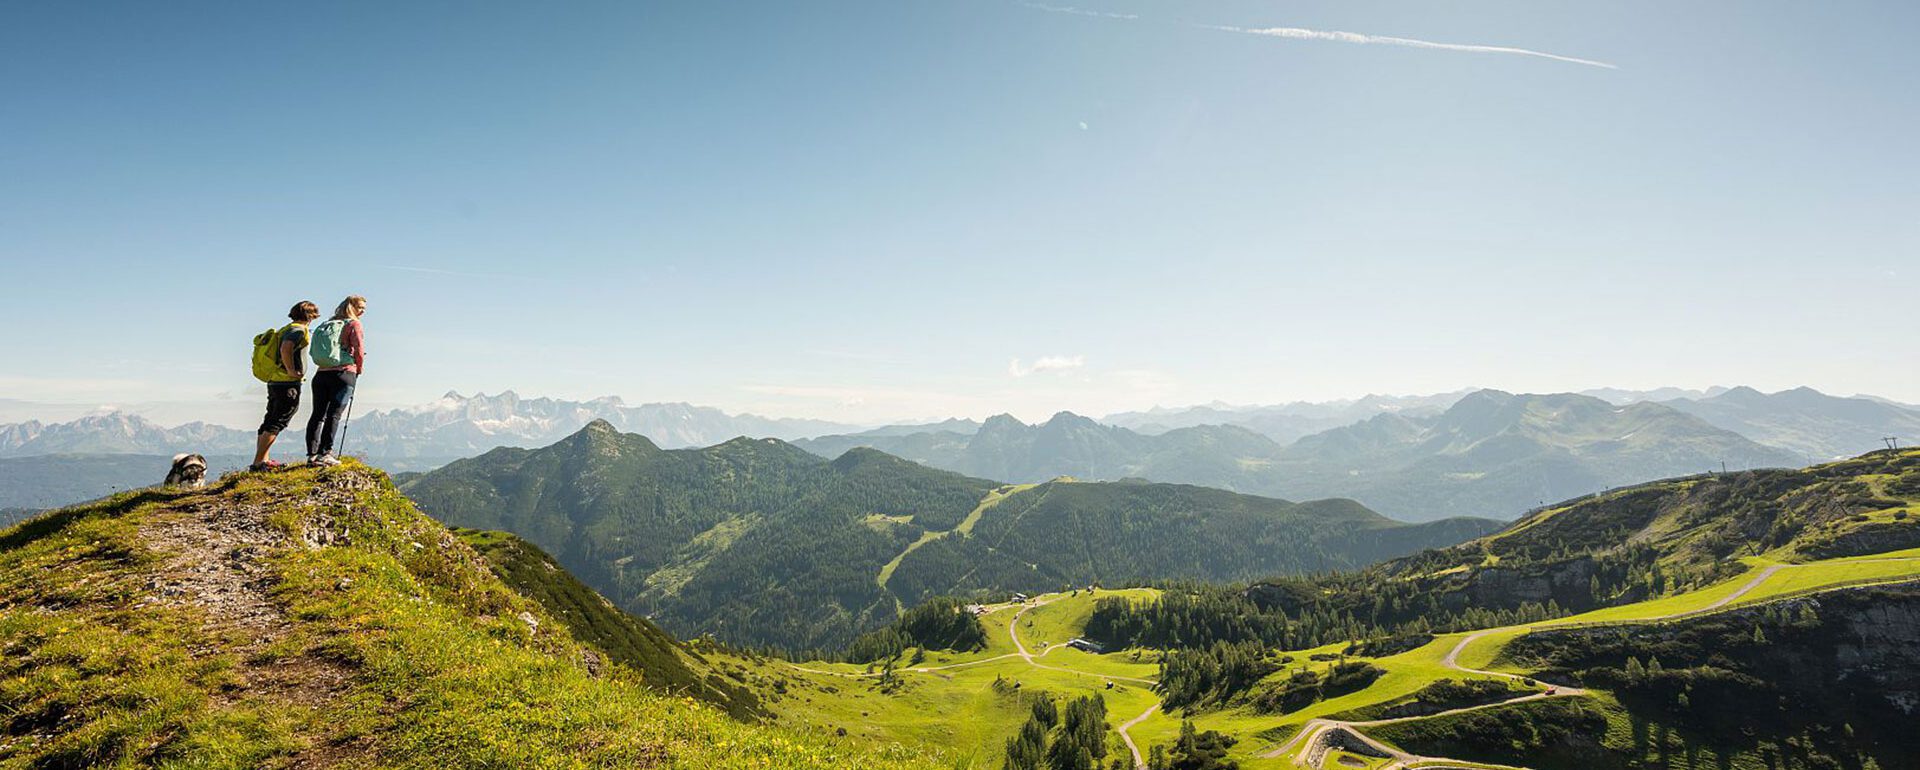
(760, 543)
(752, 540)
(1073, 533)
(1631, 545)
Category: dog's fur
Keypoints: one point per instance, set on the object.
(189, 470)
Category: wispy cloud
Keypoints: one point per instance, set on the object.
(1298, 33)
(1336, 36)
(442, 271)
(892, 402)
(852, 355)
(1079, 11)
(1046, 364)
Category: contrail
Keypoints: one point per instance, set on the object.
(1079, 11)
(1300, 33)
(1297, 33)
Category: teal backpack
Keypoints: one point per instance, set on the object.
(328, 350)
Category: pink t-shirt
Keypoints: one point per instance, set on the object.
(355, 343)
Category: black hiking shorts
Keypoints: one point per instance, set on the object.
(283, 399)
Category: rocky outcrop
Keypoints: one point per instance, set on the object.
(1565, 582)
(1879, 653)
(1896, 535)
(1855, 648)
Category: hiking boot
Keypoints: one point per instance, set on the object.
(327, 460)
(267, 465)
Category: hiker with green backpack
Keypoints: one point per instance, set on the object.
(340, 354)
(276, 362)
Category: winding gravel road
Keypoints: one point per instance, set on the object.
(1316, 731)
(1316, 736)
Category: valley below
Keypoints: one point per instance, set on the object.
(1755, 620)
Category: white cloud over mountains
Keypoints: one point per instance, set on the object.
(1046, 364)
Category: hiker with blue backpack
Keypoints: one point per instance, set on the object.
(339, 354)
(276, 362)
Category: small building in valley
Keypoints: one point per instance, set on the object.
(1086, 645)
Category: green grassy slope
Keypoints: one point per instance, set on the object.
(663, 662)
(1797, 603)
(1819, 681)
(315, 618)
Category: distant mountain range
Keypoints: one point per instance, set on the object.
(1804, 420)
(1819, 426)
(1284, 423)
(420, 437)
(760, 542)
(1628, 395)
(1293, 450)
(120, 433)
(1489, 454)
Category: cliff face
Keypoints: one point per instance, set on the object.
(1878, 653)
(1860, 641)
(1564, 582)
(1877, 537)
(1834, 674)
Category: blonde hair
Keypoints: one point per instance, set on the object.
(340, 313)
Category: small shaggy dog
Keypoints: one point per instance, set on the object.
(189, 470)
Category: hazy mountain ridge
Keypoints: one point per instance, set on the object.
(1625, 396)
(119, 433)
(759, 541)
(1284, 423)
(1514, 451)
(416, 437)
(1804, 420)
(1381, 458)
(1490, 453)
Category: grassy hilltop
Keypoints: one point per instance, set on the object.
(314, 619)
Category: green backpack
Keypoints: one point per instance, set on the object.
(328, 350)
(266, 356)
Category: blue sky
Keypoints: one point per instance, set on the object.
(885, 210)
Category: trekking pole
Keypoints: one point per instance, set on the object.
(345, 423)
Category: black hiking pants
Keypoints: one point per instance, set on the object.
(332, 391)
